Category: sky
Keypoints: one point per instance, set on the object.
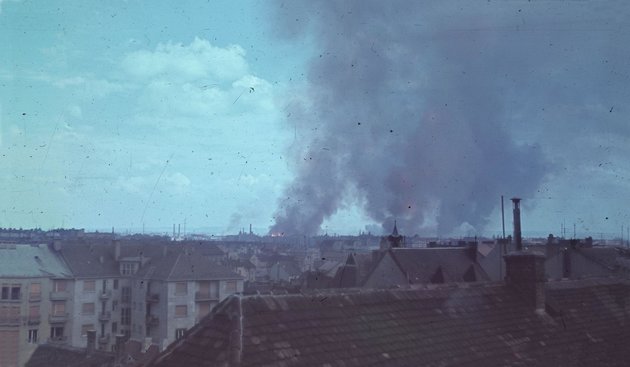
(312, 117)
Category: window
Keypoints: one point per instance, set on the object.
(85, 328)
(11, 292)
(56, 333)
(87, 309)
(33, 313)
(32, 336)
(204, 309)
(125, 316)
(59, 286)
(15, 292)
(59, 308)
(114, 305)
(115, 283)
(230, 286)
(127, 268)
(181, 311)
(104, 285)
(179, 333)
(89, 286)
(114, 327)
(126, 294)
(181, 288)
(35, 291)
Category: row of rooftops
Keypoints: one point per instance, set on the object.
(163, 260)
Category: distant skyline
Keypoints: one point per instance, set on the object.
(131, 113)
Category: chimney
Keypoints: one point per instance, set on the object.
(117, 249)
(525, 272)
(91, 341)
(517, 224)
(120, 342)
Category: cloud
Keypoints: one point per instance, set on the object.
(198, 60)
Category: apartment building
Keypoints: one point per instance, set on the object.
(34, 293)
(172, 292)
(100, 292)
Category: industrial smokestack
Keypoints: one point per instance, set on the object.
(517, 224)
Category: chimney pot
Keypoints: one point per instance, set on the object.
(91, 341)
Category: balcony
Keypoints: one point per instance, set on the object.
(10, 321)
(105, 295)
(103, 339)
(34, 320)
(153, 298)
(57, 339)
(59, 296)
(58, 318)
(206, 296)
(35, 297)
(152, 320)
(104, 316)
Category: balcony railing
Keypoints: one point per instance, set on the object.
(153, 297)
(206, 296)
(105, 295)
(34, 319)
(152, 320)
(59, 296)
(57, 339)
(105, 316)
(57, 318)
(103, 339)
(9, 320)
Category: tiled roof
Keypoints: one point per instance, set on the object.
(17, 260)
(479, 324)
(53, 356)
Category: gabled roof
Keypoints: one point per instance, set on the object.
(19, 260)
(181, 263)
(436, 265)
(482, 324)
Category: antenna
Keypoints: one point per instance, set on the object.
(502, 217)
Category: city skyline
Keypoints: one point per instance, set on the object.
(189, 115)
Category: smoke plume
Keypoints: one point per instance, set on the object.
(420, 111)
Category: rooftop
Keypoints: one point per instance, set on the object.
(587, 323)
(31, 261)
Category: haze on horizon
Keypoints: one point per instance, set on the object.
(315, 117)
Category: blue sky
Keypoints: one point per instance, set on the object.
(125, 113)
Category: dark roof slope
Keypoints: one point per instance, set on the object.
(55, 356)
(479, 324)
(454, 264)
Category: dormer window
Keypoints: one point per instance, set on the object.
(127, 268)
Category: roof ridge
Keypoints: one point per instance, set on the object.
(170, 273)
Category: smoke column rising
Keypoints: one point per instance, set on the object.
(413, 110)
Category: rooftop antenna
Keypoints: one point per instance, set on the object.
(502, 217)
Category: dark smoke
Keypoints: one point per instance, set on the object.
(413, 105)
